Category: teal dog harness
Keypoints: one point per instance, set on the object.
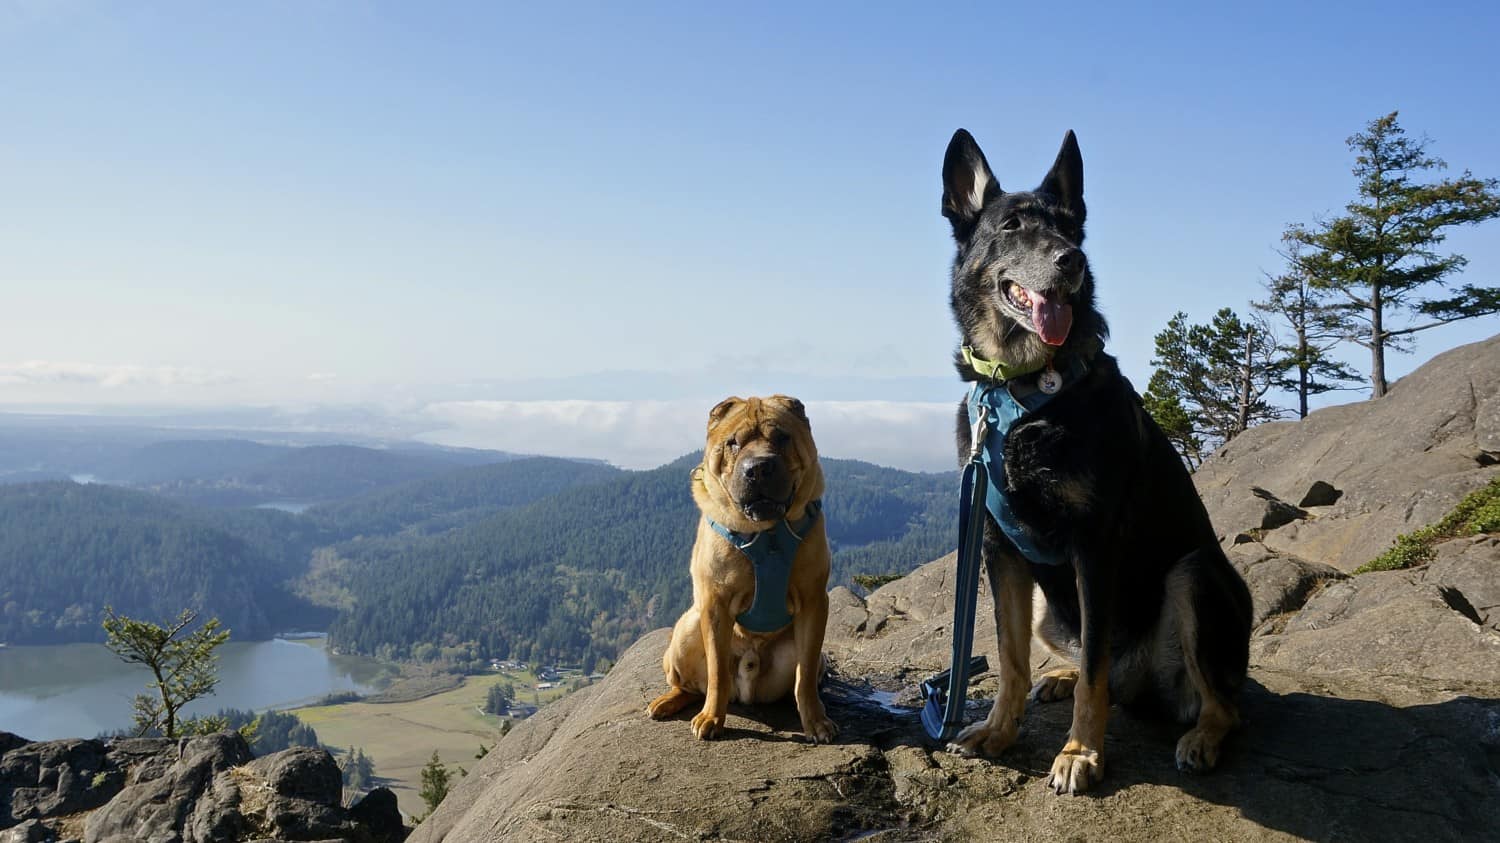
(1002, 405)
(771, 553)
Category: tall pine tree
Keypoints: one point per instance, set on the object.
(1381, 257)
(1313, 330)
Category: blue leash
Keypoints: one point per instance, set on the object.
(993, 409)
(943, 713)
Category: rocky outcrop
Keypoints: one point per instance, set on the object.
(1372, 710)
(197, 789)
(1340, 485)
(1279, 583)
(39, 780)
(1471, 568)
(1370, 740)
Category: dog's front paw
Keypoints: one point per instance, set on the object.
(1076, 769)
(983, 739)
(1198, 751)
(819, 729)
(707, 726)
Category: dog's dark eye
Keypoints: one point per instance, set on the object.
(779, 438)
(733, 445)
(1010, 224)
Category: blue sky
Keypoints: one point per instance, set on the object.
(445, 209)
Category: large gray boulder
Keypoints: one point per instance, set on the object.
(1470, 567)
(54, 778)
(1403, 626)
(186, 802)
(165, 791)
(1279, 582)
(1325, 753)
(1362, 472)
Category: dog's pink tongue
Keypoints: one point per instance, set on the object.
(1052, 316)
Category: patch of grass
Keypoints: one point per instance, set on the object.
(870, 582)
(400, 736)
(1478, 512)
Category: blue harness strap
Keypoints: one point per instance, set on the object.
(1004, 404)
(771, 553)
(994, 408)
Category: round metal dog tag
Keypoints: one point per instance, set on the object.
(1050, 381)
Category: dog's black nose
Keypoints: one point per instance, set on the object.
(1068, 260)
(760, 469)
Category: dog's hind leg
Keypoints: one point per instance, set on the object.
(672, 702)
(1055, 684)
(684, 666)
(1198, 750)
(1010, 583)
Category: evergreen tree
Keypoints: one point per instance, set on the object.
(435, 781)
(1166, 408)
(1314, 327)
(1211, 381)
(184, 667)
(358, 770)
(1381, 259)
(499, 698)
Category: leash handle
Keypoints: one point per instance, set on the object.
(943, 712)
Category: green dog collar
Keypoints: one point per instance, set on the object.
(996, 370)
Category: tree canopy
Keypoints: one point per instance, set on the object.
(183, 664)
(1381, 258)
(1211, 381)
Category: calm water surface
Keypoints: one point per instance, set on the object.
(294, 507)
(80, 690)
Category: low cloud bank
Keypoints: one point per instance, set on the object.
(916, 436)
(40, 372)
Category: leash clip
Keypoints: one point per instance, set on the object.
(978, 433)
(937, 720)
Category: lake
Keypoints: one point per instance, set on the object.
(80, 690)
(294, 507)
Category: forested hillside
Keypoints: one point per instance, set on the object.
(68, 550)
(579, 575)
(538, 559)
(455, 497)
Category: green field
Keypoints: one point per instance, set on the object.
(400, 737)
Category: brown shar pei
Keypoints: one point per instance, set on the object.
(759, 486)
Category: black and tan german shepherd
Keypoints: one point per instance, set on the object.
(1144, 600)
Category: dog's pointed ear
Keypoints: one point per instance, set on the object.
(1064, 182)
(968, 184)
(722, 409)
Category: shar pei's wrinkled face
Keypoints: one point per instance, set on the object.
(760, 461)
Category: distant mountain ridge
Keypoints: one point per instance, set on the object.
(537, 558)
(222, 471)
